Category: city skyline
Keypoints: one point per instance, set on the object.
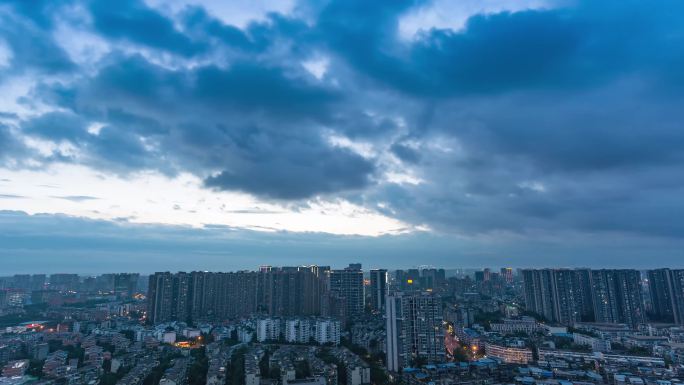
(341, 192)
(213, 136)
(319, 325)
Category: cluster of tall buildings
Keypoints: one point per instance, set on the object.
(287, 295)
(348, 284)
(379, 288)
(419, 279)
(487, 275)
(118, 282)
(21, 289)
(414, 329)
(24, 282)
(568, 296)
(666, 288)
(273, 291)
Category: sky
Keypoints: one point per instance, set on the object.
(149, 135)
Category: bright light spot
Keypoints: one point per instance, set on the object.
(363, 149)
(403, 178)
(236, 12)
(445, 14)
(149, 197)
(533, 186)
(317, 67)
(95, 128)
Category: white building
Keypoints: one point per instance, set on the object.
(244, 334)
(298, 330)
(358, 375)
(315, 380)
(327, 331)
(393, 318)
(596, 344)
(168, 337)
(509, 355)
(268, 329)
(525, 325)
(414, 327)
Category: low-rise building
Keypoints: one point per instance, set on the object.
(527, 325)
(509, 355)
(15, 368)
(597, 344)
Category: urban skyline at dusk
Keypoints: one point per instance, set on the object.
(341, 192)
(222, 135)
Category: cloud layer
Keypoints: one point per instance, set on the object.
(563, 119)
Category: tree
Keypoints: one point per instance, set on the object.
(35, 368)
(130, 334)
(197, 374)
(263, 365)
(341, 373)
(419, 361)
(274, 372)
(302, 369)
(236, 375)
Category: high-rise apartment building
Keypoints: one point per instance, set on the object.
(195, 296)
(38, 281)
(661, 292)
(200, 295)
(181, 296)
(572, 295)
(414, 329)
(120, 283)
(292, 291)
(678, 295)
(559, 295)
(666, 287)
(617, 296)
(378, 288)
(507, 274)
(160, 298)
(431, 278)
(539, 296)
(394, 318)
(348, 284)
(21, 281)
(64, 282)
(419, 279)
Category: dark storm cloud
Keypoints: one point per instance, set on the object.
(582, 46)
(32, 47)
(254, 123)
(40, 12)
(58, 126)
(622, 126)
(563, 120)
(199, 22)
(405, 153)
(293, 178)
(133, 84)
(135, 22)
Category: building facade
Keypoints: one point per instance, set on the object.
(378, 288)
(414, 329)
(348, 284)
